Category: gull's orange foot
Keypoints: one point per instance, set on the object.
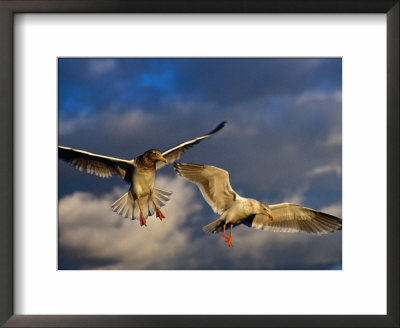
(142, 220)
(159, 214)
(229, 241)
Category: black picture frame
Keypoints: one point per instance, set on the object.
(10, 7)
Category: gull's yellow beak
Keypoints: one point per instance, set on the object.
(267, 212)
(163, 159)
(271, 217)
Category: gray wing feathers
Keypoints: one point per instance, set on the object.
(102, 166)
(175, 153)
(295, 218)
(212, 182)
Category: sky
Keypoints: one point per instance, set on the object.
(282, 143)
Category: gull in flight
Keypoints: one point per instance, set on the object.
(142, 199)
(216, 189)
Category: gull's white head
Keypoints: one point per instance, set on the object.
(265, 210)
(155, 155)
(149, 158)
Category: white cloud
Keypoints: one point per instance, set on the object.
(233, 129)
(324, 169)
(89, 228)
(270, 250)
(90, 231)
(297, 196)
(334, 139)
(318, 96)
(101, 66)
(112, 123)
(333, 209)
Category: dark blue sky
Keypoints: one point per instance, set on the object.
(282, 143)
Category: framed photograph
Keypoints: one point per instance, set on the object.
(272, 106)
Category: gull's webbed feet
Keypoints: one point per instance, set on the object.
(159, 214)
(142, 220)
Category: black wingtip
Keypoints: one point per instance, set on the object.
(219, 127)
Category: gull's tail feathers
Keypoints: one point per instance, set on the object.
(125, 205)
(160, 196)
(129, 208)
(214, 227)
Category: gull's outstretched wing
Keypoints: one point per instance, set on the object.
(102, 166)
(294, 218)
(213, 183)
(175, 153)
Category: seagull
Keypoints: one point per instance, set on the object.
(216, 189)
(142, 199)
